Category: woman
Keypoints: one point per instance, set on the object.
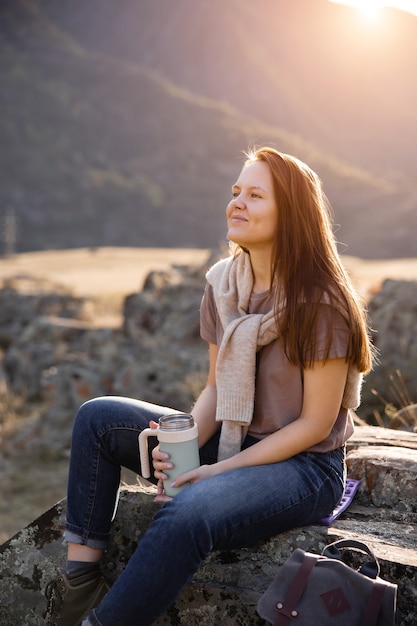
(288, 344)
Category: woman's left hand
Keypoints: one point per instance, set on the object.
(193, 476)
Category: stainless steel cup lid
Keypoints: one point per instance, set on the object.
(176, 421)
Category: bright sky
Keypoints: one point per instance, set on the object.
(371, 7)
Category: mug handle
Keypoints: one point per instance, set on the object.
(144, 451)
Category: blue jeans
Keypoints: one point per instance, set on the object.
(230, 510)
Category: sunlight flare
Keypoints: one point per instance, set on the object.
(371, 8)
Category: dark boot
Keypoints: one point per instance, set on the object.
(72, 596)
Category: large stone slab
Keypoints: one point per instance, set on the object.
(388, 475)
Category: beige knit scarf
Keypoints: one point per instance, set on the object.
(244, 334)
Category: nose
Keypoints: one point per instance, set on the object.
(237, 202)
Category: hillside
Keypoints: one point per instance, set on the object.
(122, 129)
(312, 67)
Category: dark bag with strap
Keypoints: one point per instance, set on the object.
(313, 590)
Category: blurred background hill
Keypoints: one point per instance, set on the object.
(122, 122)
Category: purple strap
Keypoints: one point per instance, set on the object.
(287, 608)
(373, 605)
(351, 487)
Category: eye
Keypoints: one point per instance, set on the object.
(255, 195)
(235, 193)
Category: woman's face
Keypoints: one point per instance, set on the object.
(252, 216)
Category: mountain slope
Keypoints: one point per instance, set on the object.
(98, 150)
(310, 66)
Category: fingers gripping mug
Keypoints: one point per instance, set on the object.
(177, 435)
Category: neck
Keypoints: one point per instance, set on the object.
(261, 268)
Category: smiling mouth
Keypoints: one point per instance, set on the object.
(237, 218)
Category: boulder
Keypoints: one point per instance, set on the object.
(392, 385)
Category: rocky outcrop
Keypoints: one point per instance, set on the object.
(227, 586)
(62, 359)
(392, 385)
(55, 353)
(56, 356)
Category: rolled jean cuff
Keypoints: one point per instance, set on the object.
(97, 544)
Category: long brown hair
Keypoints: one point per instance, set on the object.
(306, 267)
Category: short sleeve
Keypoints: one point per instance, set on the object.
(208, 316)
(332, 334)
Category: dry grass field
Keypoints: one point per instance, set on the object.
(114, 272)
(105, 274)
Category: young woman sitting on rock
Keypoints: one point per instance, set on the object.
(288, 343)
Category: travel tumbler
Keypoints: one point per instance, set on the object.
(177, 435)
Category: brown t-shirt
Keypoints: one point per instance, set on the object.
(279, 384)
